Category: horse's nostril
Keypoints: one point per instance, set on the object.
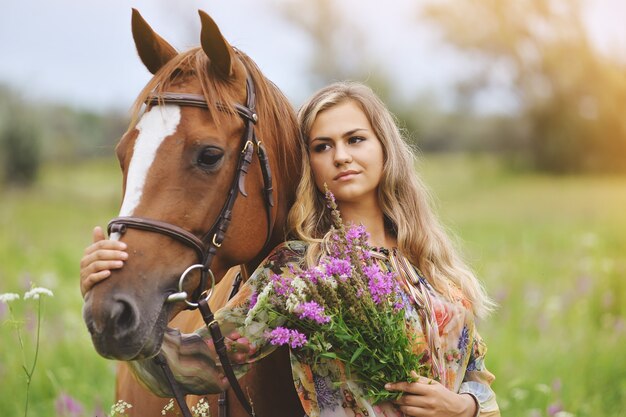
(124, 317)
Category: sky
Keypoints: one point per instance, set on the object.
(81, 53)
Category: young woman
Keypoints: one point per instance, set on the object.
(356, 149)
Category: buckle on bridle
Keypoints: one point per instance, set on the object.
(182, 295)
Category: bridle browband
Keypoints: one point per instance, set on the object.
(207, 246)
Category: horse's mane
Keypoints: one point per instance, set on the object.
(277, 126)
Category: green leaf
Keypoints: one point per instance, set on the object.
(329, 355)
(357, 353)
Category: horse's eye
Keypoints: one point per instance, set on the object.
(209, 157)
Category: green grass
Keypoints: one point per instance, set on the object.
(42, 235)
(551, 250)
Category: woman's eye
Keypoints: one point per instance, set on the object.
(321, 147)
(356, 139)
(210, 157)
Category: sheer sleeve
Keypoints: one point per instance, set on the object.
(194, 365)
(478, 379)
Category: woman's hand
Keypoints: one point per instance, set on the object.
(428, 398)
(99, 259)
(238, 348)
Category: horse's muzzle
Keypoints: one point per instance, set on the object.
(118, 329)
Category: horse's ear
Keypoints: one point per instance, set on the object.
(215, 46)
(153, 50)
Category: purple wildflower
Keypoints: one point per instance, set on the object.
(67, 406)
(282, 285)
(364, 256)
(297, 339)
(338, 267)
(330, 199)
(554, 409)
(356, 233)
(279, 336)
(313, 311)
(380, 284)
(283, 336)
(314, 275)
(253, 299)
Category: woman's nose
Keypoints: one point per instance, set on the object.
(342, 156)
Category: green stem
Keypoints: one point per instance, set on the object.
(29, 374)
(19, 338)
(21, 341)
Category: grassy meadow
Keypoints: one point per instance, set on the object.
(551, 251)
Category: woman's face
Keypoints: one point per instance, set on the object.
(345, 153)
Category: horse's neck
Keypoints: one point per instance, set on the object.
(220, 295)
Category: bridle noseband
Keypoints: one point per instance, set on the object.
(207, 246)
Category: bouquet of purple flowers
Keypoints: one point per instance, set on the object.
(345, 308)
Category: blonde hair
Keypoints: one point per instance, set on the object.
(404, 199)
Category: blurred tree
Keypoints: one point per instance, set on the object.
(571, 97)
(20, 149)
(31, 134)
(340, 52)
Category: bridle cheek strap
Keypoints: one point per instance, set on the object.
(220, 348)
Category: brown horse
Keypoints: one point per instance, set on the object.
(179, 162)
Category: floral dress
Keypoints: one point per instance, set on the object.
(446, 332)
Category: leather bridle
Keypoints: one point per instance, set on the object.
(207, 246)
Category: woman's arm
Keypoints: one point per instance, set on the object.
(194, 363)
(192, 357)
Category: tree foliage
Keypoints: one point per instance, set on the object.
(570, 95)
(20, 148)
(32, 134)
(339, 52)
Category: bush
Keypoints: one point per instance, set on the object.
(20, 149)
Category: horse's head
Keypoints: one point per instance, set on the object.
(180, 159)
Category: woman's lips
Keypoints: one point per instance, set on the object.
(346, 175)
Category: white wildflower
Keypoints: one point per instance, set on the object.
(564, 414)
(261, 302)
(119, 408)
(292, 302)
(333, 282)
(8, 297)
(35, 292)
(168, 407)
(589, 240)
(301, 289)
(519, 394)
(201, 409)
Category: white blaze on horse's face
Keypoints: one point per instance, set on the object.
(155, 125)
